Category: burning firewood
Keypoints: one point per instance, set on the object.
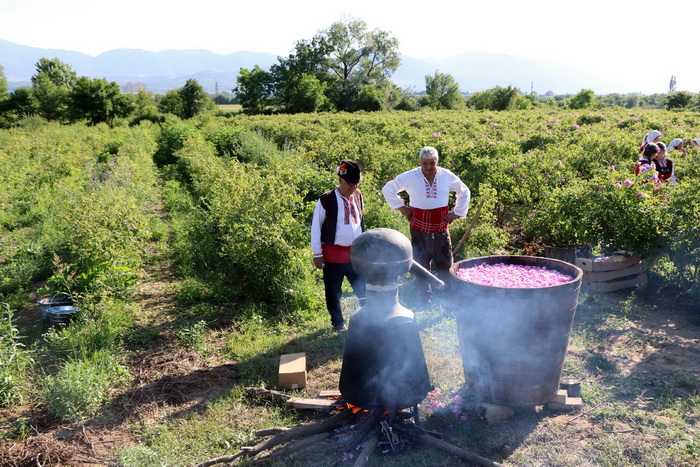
(343, 432)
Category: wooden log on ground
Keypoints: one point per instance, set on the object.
(293, 447)
(315, 404)
(303, 430)
(275, 430)
(281, 438)
(230, 459)
(363, 458)
(276, 395)
(457, 451)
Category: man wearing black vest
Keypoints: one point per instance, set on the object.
(338, 220)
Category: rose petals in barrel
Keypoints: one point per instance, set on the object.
(512, 275)
(514, 316)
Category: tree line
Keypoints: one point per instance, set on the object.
(58, 94)
(345, 67)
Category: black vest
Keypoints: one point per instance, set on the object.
(664, 170)
(330, 204)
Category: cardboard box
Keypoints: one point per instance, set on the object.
(611, 286)
(292, 372)
(621, 260)
(604, 276)
(620, 271)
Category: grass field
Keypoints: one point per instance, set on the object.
(175, 324)
(229, 108)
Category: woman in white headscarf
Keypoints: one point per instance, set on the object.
(654, 136)
(695, 143)
(677, 144)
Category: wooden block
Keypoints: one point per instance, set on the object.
(292, 372)
(604, 276)
(591, 265)
(560, 397)
(611, 286)
(328, 393)
(571, 403)
(315, 404)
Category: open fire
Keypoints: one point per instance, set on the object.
(352, 433)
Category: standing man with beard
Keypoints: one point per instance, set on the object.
(428, 187)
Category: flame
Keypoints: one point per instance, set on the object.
(355, 409)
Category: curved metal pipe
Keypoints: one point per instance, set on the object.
(423, 273)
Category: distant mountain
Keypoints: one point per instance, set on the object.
(479, 71)
(170, 69)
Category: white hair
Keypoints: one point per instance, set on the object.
(429, 153)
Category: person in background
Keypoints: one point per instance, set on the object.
(677, 144)
(664, 165)
(338, 220)
(654, 136)
(428, 187)
(644, 165)
(695, 143)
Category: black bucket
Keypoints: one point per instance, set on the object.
(513, 340)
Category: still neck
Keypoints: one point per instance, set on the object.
(382, 293)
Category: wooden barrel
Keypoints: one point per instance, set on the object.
(513, 340)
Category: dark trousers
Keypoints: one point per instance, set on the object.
(432, 248)
(333, 275)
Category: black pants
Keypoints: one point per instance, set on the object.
(432, 248)
(333, 275)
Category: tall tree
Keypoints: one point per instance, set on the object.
(498, 98)
(291, 79)
(358, 57)
(51, 85)
(583, 100)
(97, 101)
(194, 98)
(59, 73)
(3, 84)
(334, 66)
(171, 103)
(307, 94)
(253, 89)
(443, 91)
(678, 100)
(51, 98)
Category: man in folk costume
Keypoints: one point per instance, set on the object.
(338, 220)
(429, 214)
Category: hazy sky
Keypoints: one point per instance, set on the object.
(639, 43)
